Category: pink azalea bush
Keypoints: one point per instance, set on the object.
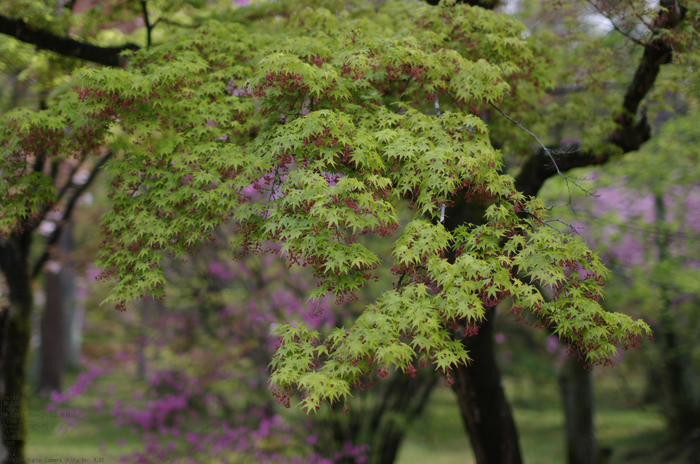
(209, 401)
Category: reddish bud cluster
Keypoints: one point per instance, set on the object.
(411, 370)
(324, 139)
(317, 60)
(283, 396)
(449, 380)
(471, 330)
(413, 72)
(477, 192)
(352, 73)
(365, 384)
(287, 82)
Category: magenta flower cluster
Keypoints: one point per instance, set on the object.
(223, 412)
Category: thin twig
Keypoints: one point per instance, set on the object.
(639, 16)
(439, 115)
(571, 227)
(149, 27)
(454, 100)
(566, 178)
(398, 286)
(171, 23)
(626, 34)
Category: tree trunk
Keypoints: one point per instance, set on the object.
(681, 382)
(15, 334)
(479, 388)
(482, 401)
(379, 417)
(577, 394)
(683, 393)
(142, 337)
(73, 311)
(52, 331)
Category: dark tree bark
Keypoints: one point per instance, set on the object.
(629, 135)
(57, 316)
(52, 332)
(482, 401)
(108, 56)
(381, 418)
(73, 309)
(482, 395)
(479, 388)
(576, 385)
(15, 334)
(681, 382)
(145, 310)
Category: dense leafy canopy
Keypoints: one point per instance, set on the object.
(304, 130)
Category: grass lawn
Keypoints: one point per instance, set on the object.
(438, 438)
(93, 437)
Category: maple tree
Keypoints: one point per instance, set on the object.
(333, 114)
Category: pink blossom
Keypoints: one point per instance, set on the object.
(552, 344)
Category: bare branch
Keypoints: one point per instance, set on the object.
(631, 131)
(53, 239)
(614, 25)
(149, 26)
(548, 152)
(107, 56)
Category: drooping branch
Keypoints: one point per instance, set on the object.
(631, 131)
(108, 56)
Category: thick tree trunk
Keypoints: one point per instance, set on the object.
(482, 401)
(577, 394)
(15, 334)
(479, 387)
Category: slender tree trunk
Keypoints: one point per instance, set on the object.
(57, 318)
(142, 341)
(52, 331)
(681, 381)
(400, 406)
(577, 393)
(380, 417)
(482, 401)
(73, 311)
(15, 335)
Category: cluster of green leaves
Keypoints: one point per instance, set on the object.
(305, 131)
